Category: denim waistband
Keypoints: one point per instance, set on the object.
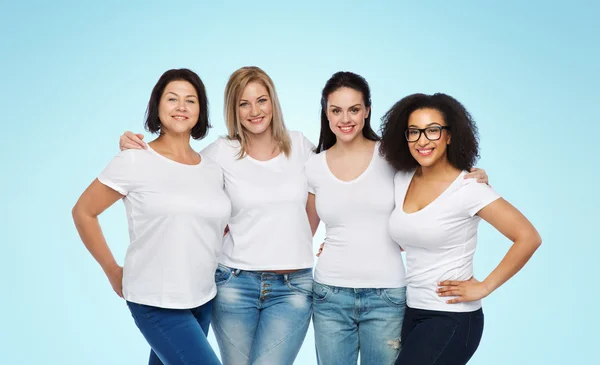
(337, 289)
(271, 274)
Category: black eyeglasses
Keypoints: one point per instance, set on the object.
(432, 133)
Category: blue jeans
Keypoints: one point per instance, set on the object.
(349, 320)
(440, 338)
(176, 336)
(261, 318)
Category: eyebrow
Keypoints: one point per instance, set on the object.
(353, 106)
(262, 96)
(188, 96)
(428, 125)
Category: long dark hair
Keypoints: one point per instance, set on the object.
(338, 80)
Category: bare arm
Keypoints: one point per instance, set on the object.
(94, 200)
(526, 240)
(311, 212)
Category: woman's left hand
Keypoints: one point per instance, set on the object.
(478, 174)
(464, 291)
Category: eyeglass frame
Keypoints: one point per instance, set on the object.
(422, 132)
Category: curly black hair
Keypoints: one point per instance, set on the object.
(462, 152)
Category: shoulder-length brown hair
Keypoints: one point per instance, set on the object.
(233, 93)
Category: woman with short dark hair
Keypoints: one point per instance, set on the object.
(177, 210)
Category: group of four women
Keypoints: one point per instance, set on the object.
(268, 189)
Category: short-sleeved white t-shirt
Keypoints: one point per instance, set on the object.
(358, 251)
(269, 228)
(176, 215)
(439, 239)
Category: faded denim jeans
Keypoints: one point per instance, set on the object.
(352, 320)
(261, 318)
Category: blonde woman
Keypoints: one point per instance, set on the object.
(264, 301)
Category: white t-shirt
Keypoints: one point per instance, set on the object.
(358, 251)
(269, 228)
(439, 240)
(176, 215)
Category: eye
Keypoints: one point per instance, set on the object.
(335, 111)
(172, 99)
(244, 104)
(413, 132)
(262, 101)
(191, 101)
(433, 130)
(354, 110)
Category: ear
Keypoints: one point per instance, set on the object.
(449, 138)
(368, 112)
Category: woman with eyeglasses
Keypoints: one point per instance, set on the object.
(435, 221)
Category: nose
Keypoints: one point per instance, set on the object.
(422, 141)
(181, 105)
(346, 117)
(254, 110)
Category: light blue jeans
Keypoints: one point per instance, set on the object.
(352, 320)
(261, 318)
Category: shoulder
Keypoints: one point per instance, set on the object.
(403, 177)
(314, 161)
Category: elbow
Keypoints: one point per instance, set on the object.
(534, 239)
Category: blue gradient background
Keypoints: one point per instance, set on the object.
(74, 76)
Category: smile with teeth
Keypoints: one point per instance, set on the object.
(425, 152)
(256, 120)
(347, 129)
(180, 117)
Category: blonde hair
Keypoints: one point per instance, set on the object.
(233, 93)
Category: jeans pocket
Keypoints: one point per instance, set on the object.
(223, 275)
(396, 297)
(321, 292)
(301, 285)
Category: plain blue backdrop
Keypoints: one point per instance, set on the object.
(74, 75)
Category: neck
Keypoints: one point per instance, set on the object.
(360, 143)
(441, 170)
(177, 145)
(261, 142)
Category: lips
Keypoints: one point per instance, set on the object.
(347, 129)
(256, 120)
(425, 151)
(180, 117)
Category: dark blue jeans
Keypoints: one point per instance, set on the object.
(439, 338)
(176, 336)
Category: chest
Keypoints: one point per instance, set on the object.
(250, 185)
(348, 168)
(194, 193)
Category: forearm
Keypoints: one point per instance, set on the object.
(93, 239)
(514, 260)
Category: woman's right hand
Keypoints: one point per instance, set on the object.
(129, 140)
(320, 249)
(115, 276)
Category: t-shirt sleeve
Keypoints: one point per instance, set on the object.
(120, 175)
(307, 149)
(477, 196)
(212, 150)
(309, 171)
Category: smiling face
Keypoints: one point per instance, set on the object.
(255, 110)
(428, 153)
(178, 109)
(346, 112)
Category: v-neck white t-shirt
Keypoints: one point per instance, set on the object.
(439, 240)
(358, 251)
(269, 228)
(176, 215)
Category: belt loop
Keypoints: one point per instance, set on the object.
(286, 277)
(237, 272)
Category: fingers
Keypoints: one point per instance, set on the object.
(320, 249)
(450, 283)
(129, 140)
(456, 300)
